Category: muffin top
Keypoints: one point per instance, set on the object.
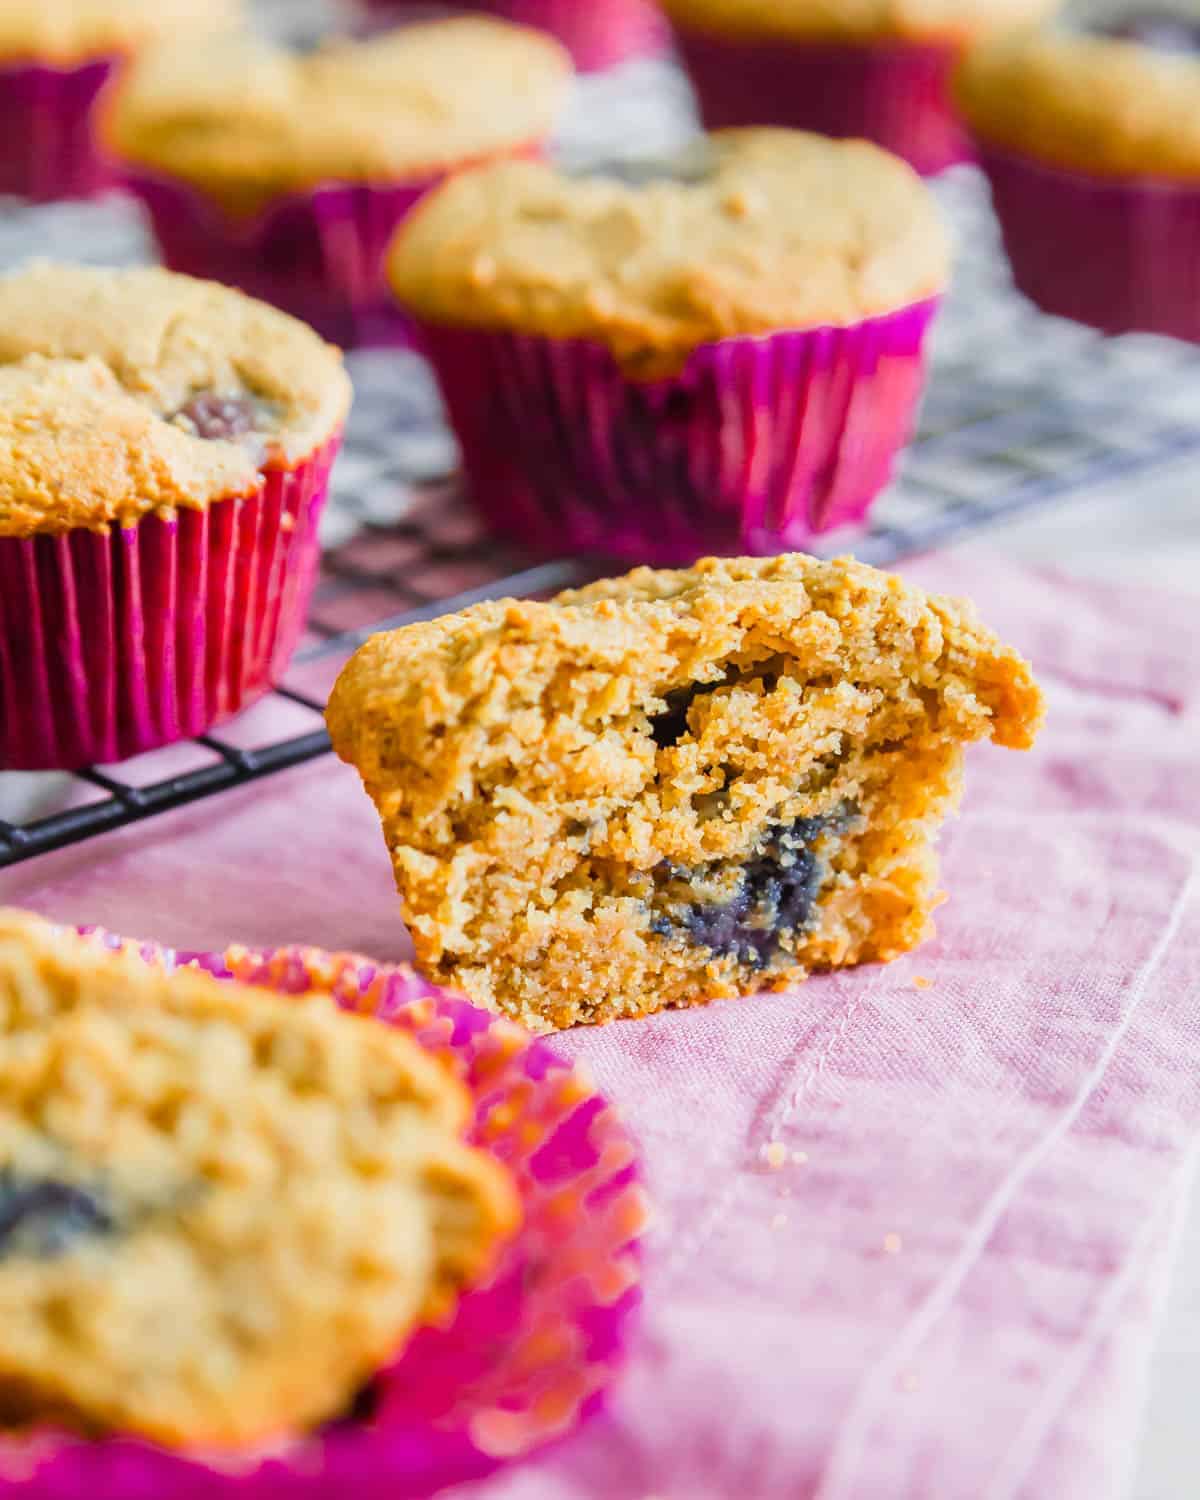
(745, 232)
(127, 392)
(221, 1211)
(858, 20)
(1122, 99)
(69, 30)
(242, 119)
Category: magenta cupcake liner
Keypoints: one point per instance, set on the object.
(47, 146)
(1120, 254)
(118, 642)
(756, 446)
(597, 33)
(526, 1356)
(895, 94)
(318, 255)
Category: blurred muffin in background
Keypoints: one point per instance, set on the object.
(1091, 140)
(597, 33)
(165, 447)
(285, 174)
(879, 69)
(55, 57)
(720, 352)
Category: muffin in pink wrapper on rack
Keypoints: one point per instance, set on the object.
(285, 174)
(721, 352)
(1091, 142)
(165, 448)
(877, 69)
(55, 58)
(487, 1231)
(597, 33)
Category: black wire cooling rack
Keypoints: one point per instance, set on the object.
(1022, 411)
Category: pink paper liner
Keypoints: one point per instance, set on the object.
(756, 446)
(1120, 254)
(47, 146)
(598, 33)
(115, 643)
(318, 255)
(526, 1356)
(894, 94)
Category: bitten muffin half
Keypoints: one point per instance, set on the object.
(221, 1212)
(674, 786)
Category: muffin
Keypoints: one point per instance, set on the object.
(285, 174)
(673, 786)
(720, 352)
(879, 69)
(55, 56)
(165, 447)
(597, 33)
(221, 1211)
(1091, 141)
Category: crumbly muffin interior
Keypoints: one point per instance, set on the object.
(673, 786)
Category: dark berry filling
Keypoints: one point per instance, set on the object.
(776, 895)
(1160, 27)
(44, 1218)
(362, 1409)
(670, 726)
(226, 418)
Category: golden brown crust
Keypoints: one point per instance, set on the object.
(95, 368)
(575, 793)
(72, 31)
(952, 21)
(1088, 103)
(222, 1210)
(244, 121)
(783, 230)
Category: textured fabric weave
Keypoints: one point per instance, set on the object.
(914, 1223)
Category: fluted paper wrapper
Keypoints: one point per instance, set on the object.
(758, 445)
(1120, 254)
(524, 1358)
(112, 643)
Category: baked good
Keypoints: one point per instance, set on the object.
(165, 447)
(220, 1211)
(55, 57)
(720, 349)
(1091, 139)
(285, 173)
(673, 786)
(879, 69)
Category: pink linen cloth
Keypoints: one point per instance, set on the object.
(914, 1223)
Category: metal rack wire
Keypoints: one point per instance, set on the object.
(1022, 411)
